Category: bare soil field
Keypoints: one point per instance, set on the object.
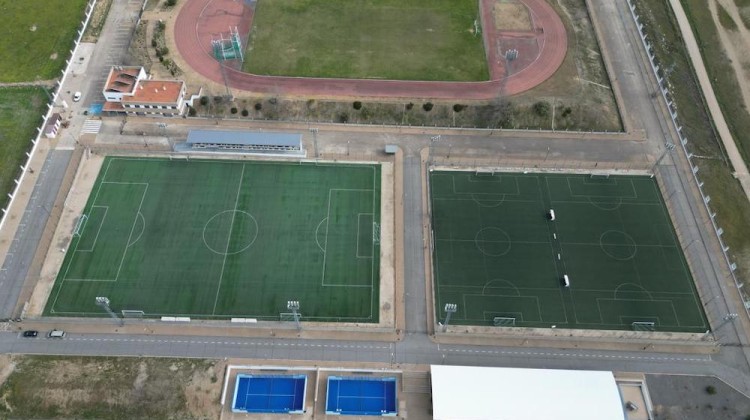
(510, 15)
(109, 387)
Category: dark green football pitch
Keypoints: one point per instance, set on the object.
(499, 257)
(218, 239)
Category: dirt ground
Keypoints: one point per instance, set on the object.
(736, 43)
(510, 15)
(109, 387)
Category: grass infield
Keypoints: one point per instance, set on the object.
(497, 254)
(37, 37)
(369, 39)
(218, 239)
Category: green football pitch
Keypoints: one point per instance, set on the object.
(217, 239)
(500, 258)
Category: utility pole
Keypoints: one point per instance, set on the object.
(668, 147)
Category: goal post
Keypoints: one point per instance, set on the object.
(130, 313)
(288, 316)
(80, 225)
(643, 326)
(599, 175)
(489, 173)
(504, 321)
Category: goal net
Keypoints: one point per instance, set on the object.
(80, 225)
(128, 313)
(502, 321)
(485, 173)
(288, 316)
(375, 232)
(643, 326)
(599, 175)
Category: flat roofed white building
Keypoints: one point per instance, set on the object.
(484, 393)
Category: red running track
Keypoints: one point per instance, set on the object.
(198, 20)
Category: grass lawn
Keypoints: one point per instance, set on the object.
(368, 39)
(496, 254)
(36, 37)
(220, 239)
(21, 110)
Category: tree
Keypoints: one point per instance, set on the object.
(458, 107)
(233, 110)
(258, 106)
(541, 108)
(191, 111)
(409, 106)
(245, 113)
(357, 105)
(204, 100)
(427, 106)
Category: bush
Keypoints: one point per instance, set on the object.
(427, 106)
(218, 99)
(541, 108)
(171, 3)
(711, 390)
(161, 25)
(343, 117)
(164, 50)
(245, 113)
(204, 100)
(273, 101)
(357, 105)
(458, 107)
(191, 111)
(233, 110)
(258, 106)
(567, 111)
(409, 106)
(154, 43)
(161, 58)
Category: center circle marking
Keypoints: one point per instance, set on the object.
(241, 240)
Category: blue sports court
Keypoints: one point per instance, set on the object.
(361, 396)
(269, 394)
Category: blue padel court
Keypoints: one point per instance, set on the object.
(361, 396)
(269, 394)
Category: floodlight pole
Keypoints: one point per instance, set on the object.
(668, 147)
(293, 305)
(450, 309)
(103, 302)
(433, 140)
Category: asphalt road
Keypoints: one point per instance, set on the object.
(22, 250)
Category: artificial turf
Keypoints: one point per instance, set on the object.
(218, 239)
(368, 39)
(498, 255)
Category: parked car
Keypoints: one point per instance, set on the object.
(30, 333)
(76, 96)
(56, 334)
